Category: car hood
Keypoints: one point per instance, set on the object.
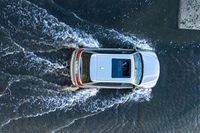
(151, 69)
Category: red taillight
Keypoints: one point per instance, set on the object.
(78, 54)
(76, 66)
(78, 81)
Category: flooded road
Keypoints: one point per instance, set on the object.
(36, 39)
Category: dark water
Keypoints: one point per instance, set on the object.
(36, 39)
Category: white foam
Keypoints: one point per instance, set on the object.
(98, 105)
(137, 96)
(76, 16)
(48, 104)
(60, 32)
(131, 39)
(72, 122)
(42, 64)
(36, 19)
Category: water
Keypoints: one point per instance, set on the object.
(36, 39)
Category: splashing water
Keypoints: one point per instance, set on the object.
(48, 101)
(28, 88)
(130, 40)
(33, 19)
(102, 104)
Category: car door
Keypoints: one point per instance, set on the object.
(113, 85)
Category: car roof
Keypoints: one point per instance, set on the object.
(101, 67)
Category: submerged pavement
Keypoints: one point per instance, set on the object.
(189, 14)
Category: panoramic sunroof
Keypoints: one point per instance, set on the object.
(121, 68)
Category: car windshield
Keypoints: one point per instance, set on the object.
(138, 68)
(85, 67)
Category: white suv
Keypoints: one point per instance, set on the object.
(114, 68)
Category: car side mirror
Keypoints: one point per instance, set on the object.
(135, 48)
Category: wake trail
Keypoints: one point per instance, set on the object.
(28, 17)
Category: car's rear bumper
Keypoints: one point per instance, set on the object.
(74, 68)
